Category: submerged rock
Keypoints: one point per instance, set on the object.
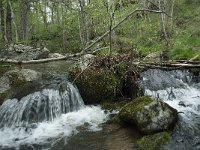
(149, 115)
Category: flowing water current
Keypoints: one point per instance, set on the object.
(45, 116)
(55, 117)
(181, 90)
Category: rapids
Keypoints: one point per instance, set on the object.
(181, 90)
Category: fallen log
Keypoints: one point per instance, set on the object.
(169, 65)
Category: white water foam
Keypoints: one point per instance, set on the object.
(63, 126)
(185, 100)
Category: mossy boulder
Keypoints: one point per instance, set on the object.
(153, 142)
(149, 115)
(95, 84)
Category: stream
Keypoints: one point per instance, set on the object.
(181, 90)
(55, 117)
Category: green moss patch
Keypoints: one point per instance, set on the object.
(135, 105)
(153, 142)
(95, 84)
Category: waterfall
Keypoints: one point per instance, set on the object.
(181, 90)
(50, 112)
(44, 105)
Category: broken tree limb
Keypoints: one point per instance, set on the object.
(84, 51)
(46, 60)
(169, 65)
(119, 23)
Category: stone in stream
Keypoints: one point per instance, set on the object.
(149, 115)
(14, 79)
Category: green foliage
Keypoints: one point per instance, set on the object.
(141, 31)
(153, 142)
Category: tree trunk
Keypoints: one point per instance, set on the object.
(14, 23)
(2, 20)
(64, 34)
(172, 13)
(24, 20)
(8, 23)
(84, 15)
(163, 20)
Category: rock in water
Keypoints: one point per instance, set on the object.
(15, 79)
(149, 115)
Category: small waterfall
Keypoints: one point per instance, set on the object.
(181, 90)
(44, 105)
(51, 111)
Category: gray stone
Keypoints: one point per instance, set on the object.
(149, 115)
(23, 53)
(15, 79)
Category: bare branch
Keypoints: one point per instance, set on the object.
(119, 23)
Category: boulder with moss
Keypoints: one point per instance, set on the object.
(149, 114)
(95, 84)
(153, 142)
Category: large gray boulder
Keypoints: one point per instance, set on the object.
(13, 81)
(149, 115)
(23, 53)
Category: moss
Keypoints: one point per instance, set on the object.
(95, 84)
(153, 142)
(115, 119)
(135, 105)
(4, 67)
(15, 80)
(3, 96)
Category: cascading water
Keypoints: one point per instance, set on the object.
(181, 90)
(53, 111)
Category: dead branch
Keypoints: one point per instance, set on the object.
(119, 23)
(2, 60)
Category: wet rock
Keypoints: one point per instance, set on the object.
(22, 52)
(181, 103)
(14, 83)
(149, 115)
(155, 79)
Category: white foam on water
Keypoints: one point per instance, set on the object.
(185, 100)
(63, 126)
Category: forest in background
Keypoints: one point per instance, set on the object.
(68, 26)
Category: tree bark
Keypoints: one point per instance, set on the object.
(8, 23)
(24, 20)
(85, 21)
(2, 20)
(14, 23)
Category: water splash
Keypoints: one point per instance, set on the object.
(179, 89)
(49, 132)
(48, 114)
